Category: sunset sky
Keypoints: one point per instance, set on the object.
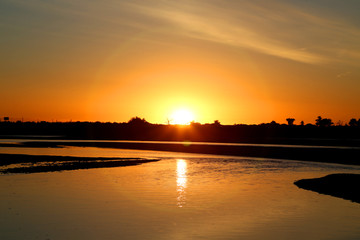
(229, 60)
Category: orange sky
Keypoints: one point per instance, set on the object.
(232, 61)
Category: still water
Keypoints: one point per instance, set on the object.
(182, 196)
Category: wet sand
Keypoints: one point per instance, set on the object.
(340, 185)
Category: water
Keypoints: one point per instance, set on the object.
(183, 196)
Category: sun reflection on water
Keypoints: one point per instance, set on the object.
(181, 180)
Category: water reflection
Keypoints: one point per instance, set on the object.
(181, 180)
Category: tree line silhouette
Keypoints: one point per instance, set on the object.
(323, 132)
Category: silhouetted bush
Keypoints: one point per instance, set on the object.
(323, 122)
(290, 121)
(354, 123)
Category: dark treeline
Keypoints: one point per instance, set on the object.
(140, 129)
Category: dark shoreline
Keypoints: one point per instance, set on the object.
(340, 185)
(348, 156)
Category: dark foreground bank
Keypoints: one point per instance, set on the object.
(22, 163)
(340, 185)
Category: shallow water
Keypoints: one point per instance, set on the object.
(183, 196)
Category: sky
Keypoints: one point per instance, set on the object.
(235, 61)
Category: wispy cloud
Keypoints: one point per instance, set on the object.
(275, 29)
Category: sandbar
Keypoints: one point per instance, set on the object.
(23, 163)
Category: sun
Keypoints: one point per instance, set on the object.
(181, 117)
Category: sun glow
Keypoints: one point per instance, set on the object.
(182, 117)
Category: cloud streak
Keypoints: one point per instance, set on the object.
(279, 29)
